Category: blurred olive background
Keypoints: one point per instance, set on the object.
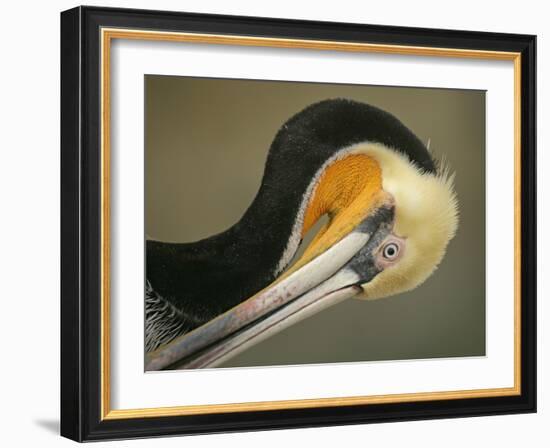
(206, 144)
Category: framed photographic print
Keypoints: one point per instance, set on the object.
(272, 224)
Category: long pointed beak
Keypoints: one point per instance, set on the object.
(326, 280)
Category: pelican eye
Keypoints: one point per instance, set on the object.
(390, 251)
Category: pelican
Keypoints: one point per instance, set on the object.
(391, 209)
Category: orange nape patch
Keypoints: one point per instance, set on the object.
(347, 192)
(340, 185)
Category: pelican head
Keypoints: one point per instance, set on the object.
(426, 219)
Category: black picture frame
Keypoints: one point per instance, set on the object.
(81, 380)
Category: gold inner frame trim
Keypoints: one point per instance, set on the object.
(107, 35)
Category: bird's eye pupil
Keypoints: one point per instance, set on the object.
(391, 250)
